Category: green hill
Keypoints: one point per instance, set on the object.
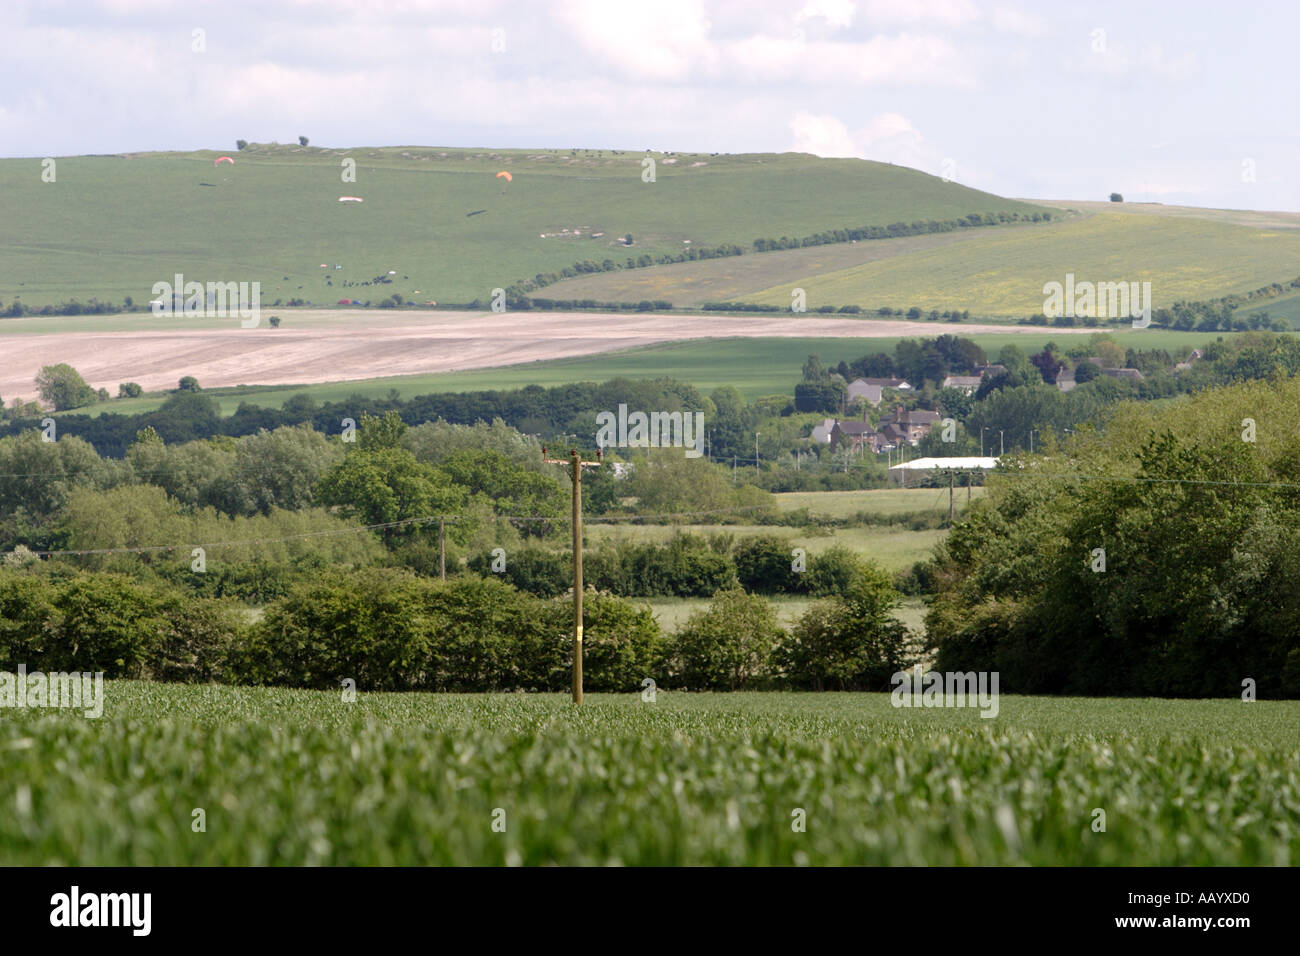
(441, 220)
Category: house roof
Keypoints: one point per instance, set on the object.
(855, 428)
(959, 381)
(916, 416)
(883, 382)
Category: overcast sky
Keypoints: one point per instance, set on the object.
(1183, 102)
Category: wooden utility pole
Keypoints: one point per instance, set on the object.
(576, 464)
(952, 476)
(442, 548)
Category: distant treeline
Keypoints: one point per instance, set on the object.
(189, 416)
(17, 310)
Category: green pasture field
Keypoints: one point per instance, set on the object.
(1285, 307)
(672, 613)
(111, 226)
(289, 777)
(1002, 272)
(892, 548)
(882, 501)
(756, 367)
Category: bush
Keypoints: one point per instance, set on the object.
(763, 565)
(834, 571)
(543, 573)
(728, 646)
(198, 640)
(25, 620)
(365, 625)
(129, 390)
(848, 643)
(621, 644)
(105, 622)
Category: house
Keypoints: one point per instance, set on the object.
(1184, 366)
(909, 426)
(1131, 374)
(1065, 380)
(989, 371)
(861, 389)
(856, 435)
(894, 383)
(822, 433)
(966, 383)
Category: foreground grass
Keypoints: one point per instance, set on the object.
(298, 777)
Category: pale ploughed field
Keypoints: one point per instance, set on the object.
(329, 345)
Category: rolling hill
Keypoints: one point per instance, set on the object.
(440, 220)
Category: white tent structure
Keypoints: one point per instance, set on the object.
(902, 472)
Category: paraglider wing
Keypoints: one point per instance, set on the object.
(506, 176)
(223, 159)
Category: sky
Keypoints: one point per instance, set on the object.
(1188, 102)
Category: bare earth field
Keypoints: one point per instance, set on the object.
(340, 346)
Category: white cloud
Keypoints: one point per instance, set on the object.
(823, 136)
(881, 61)
(836, 13)
(948, 12)
(1012, 20)
(887, 138)
(666, 40)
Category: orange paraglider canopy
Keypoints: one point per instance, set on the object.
(220, 159)
(508, 177)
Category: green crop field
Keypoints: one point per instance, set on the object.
(441, 219)
(691, 284)
(989, 272)
(755, 367)
(1002, 272)
(300, 777)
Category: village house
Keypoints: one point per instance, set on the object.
(965, 383)
(909, 426)
(897, 384)
(860, 389)
(822, 433)
(856, 435)
(1132, 374)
